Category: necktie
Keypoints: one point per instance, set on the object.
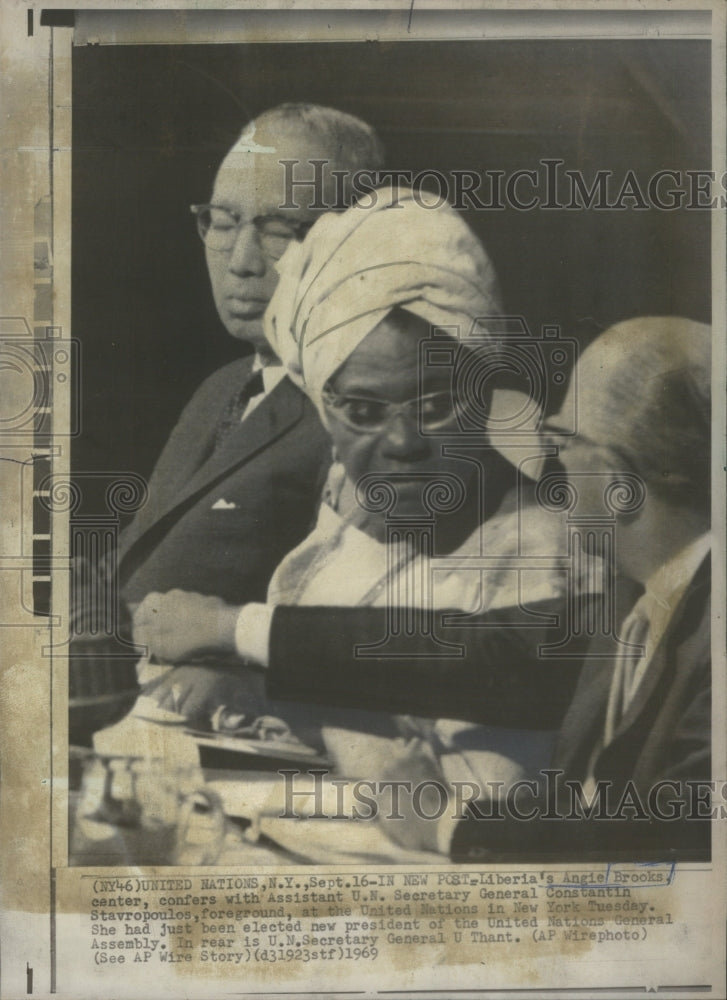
(635, 632)
(237, 406)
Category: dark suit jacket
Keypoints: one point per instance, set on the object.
(665, 736)
(500, 678)
(491, 673)
(220, 523)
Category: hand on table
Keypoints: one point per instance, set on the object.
(179, 625)
(197, 692)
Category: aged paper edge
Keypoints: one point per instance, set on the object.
(36, 96)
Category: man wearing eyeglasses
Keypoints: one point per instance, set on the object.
(237, 484)
(630, 773)
(635, 740)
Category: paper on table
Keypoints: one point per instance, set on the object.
(322, 828)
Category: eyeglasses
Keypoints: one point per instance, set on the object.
(369, 415)
(611, 457)
(220, 229)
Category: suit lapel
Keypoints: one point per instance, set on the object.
(583, 723)
(179, 463)
(585, 717)
(655, 669)
(272, 418)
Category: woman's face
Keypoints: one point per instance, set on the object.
(384, 368)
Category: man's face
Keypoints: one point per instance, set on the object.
(591, 469)
(384, 367)
(250, 185)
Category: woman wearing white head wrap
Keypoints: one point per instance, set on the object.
(357, 275)
(354, 268)
(352, 283)
(354, 304)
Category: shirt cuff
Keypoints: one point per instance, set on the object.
(252, 632)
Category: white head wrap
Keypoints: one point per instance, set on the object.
(354, 267)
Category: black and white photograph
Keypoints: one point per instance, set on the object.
(365, 423)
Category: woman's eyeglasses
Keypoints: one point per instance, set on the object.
(369, 415)
(220, 228)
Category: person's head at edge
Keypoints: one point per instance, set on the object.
(643, 389)
(250, 185)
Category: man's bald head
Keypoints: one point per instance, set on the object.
(250, 189)
(642, 391)
(351, 143)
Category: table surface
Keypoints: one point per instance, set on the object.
(267, 838)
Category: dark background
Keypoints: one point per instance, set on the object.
(151, 124)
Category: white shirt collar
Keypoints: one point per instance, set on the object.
(273, 372)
